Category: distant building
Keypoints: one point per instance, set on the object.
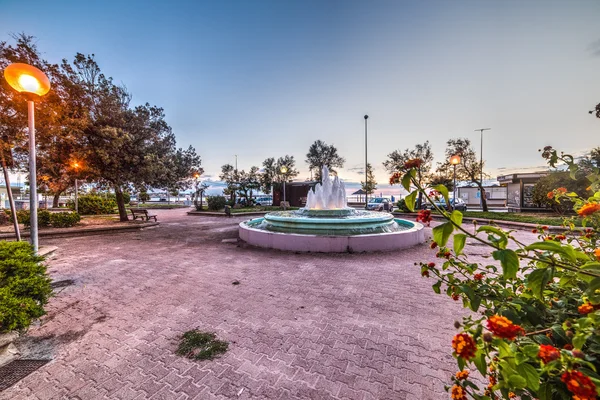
(495, 196)
(519, 187)
(16, 191)
(296, 193)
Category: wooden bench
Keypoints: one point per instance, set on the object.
(142, 214)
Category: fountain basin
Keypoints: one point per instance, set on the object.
(326, 240)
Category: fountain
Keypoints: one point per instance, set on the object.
(326, 224)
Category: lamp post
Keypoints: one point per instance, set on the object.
(366, 169)
(284, 171)
(481, 162)
(454, 160)
(76, 167)
(33, 83)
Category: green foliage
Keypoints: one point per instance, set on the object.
(94, 205)
(321, 154)
(126, 197)
(272, 172)
(556, 180)
(24, 286)
(23, 217)
(371, 185)
(216, 203)
(537, 304)
(64, 219)
(200, 345)
(401, 204)
(143, 196)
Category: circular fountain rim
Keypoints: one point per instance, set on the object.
(381, 217)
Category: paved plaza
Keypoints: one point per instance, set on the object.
(300, 326)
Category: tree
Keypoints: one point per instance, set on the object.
(596, 111)
(229, 175)
(272, 172)
(247, 183)
(371, 184)
(469, 168)
(322, 155)
(397, 161)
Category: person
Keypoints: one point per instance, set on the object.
(393, 199)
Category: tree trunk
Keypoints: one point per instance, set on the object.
(484, 205)
(55, 200)
(121, 204)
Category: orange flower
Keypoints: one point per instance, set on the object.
(512, 395)
(503, 327)
(458, 393)
(460, 375)
(585, 308)
(550, 195)
(478, 277)
(597, 253)
(588, 209)
(580, 385)
(548, 353)
(464, 346)
(424, 216)
(395, 178)
(561, 190)
(413, 163)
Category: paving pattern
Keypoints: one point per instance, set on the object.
(300, 326)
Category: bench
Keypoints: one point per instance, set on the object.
(142, 214)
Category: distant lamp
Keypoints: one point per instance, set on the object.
(454, 160)
(32, 82)
(284, 171)
(26, 78)
(75, 164)
(196, 175)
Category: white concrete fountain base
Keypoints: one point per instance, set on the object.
(332, 244)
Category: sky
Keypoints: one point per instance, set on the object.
(267, 78)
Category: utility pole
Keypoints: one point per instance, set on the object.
(236, 163)
(481, 163)
(366, 169)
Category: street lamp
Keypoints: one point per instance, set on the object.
(284, 171)
(76, 166)
(481, 163)
(33, 83)
(366, 168)
(454, 160)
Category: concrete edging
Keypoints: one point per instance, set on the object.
(69, 232)
(222, 214)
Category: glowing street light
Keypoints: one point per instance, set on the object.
(33, 83)
(75, 165)
(284, 171)
(454, 160)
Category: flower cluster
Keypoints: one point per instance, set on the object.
(580, 385)
(464, 346)
(458, 393)
(588, 209)
(395, 178)
(548, 353)
(462, 375)
(502, 327)
(585, 308)
(424, 216)
(413, 163)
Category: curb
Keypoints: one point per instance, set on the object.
(67, 232)
(222, 214)
(486, 221)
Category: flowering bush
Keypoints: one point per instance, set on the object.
(535, 328)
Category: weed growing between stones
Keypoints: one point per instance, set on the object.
(199, 345)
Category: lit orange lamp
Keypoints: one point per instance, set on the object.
(33, 83)
(454, 160)
(76, 165)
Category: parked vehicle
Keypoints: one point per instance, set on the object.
(459, 205)
(380, 204)
(263, 201)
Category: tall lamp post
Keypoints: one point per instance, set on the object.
(284, 171)
(454, 160)
(481, 161)
(33, 83)
(76, 167)
(366, 169)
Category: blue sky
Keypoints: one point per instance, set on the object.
(267, 78)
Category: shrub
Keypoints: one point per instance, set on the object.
(126, 197)
(5, 218)
(216, 203)
(23, 217)
(64, 219)
(534, 327)
(24, 286)
(93, 205)
(402, 205)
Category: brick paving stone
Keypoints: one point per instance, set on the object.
(313, 326)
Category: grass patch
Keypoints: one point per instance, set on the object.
(520, 217)
(259, 208)
(199, 345)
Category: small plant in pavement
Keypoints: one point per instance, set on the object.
(200, 345)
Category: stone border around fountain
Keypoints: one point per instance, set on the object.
(332, 244)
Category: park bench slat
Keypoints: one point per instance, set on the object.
(142, 214)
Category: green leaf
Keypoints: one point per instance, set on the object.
(436, 287)
(565, 251)
(459, 242)
(545, 391)
(406, 179)
(531, 350)
(456, 217)
(410, 200)
(517, 381)
(443, 190)
(461, 363)
(593, 286)
(537, 281)
(579, 340)
(480, 363)
(509, 261)
(501, 239)
(441, 233)
(530, 374)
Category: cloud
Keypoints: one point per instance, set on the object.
(594, 48)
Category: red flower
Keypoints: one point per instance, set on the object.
(550, 195)
(568, 346)
(433, 245)
(395, 178)
(425, 273)
(478, 277)
(424, 216)
(585, 308)
(431, 265)
(503, 327)
(580, 385)
(534, 231)
(548, 353)
(464, 346)
(458, 393)
(455, 297)
(561, 190)
(413, 163)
